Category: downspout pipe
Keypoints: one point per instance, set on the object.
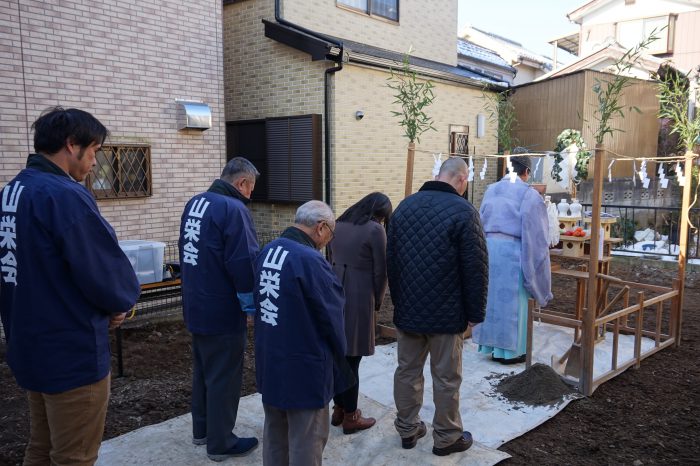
(326, 95)
(327, 112)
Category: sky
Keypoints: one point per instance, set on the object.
(533, 23)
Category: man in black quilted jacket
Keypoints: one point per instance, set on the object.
(438, 277)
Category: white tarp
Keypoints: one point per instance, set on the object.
(491, 419)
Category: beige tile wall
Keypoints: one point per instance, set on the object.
(267, 79)
(125, 62)
(429, 26)
(370, 154)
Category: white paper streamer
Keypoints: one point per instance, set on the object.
(679, 174)
(634, 174)
(437, 165)
(568, 171)
(610, 170)
(471, 169)
(643, 177)
(663, 181)
(537, 165)
(511, 174)
(573, 151)
(482, 174)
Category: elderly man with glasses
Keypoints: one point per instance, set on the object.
(299, 338)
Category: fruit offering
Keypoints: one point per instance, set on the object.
(578, 232)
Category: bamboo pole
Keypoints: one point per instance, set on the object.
(638, 331)
(409, 168)
(683, 240)
(530, 325)
(672, 326)
(589, 329)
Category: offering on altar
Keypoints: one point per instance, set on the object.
(577, 232)
(606, 222)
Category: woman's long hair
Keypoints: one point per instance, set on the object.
(375, 206)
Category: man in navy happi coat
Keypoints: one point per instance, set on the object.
(64, 282)
(299, 339)
(217, 247)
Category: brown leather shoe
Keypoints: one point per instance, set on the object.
(337, 416)
(410, 442)
(352, 422)
(461, 444)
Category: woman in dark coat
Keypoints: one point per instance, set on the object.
(358, 254)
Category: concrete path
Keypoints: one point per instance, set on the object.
(491, 419)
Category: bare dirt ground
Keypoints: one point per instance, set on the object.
(645, 416)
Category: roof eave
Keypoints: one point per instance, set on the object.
(388, 64)
(505, 66)
(318, 49)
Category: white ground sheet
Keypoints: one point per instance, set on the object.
(491, 419)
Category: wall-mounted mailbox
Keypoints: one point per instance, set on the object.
(193, 115)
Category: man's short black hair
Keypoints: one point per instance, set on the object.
(57, 125)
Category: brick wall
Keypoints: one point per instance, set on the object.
(429, 26)
(126, 63)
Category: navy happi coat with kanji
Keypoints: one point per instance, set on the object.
(299, 325)
(217, 246)
(63, 276)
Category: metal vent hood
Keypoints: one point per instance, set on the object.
(193, 115)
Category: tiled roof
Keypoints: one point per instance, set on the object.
(519, 49)
(470, 49)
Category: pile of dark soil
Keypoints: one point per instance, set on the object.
(539, 385)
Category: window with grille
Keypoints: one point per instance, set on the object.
(286, 151)
(388, 9)
(459, 143)
(121, 171)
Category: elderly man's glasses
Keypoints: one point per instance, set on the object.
(329, 229)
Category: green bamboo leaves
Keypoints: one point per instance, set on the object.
(674, 94)
(414, 97)
(501, 112)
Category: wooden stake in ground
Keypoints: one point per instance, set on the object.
(589, 331)
(683, 240)
(410, 157)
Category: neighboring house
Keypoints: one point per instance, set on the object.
(608, 28)
(528, 65)
(307, 98)
(482, 60)
(604, 60)
(127, 63)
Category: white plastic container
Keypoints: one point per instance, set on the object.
(146, 258)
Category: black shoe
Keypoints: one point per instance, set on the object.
(462, 444)
(244, 446)
(410, 442)
(494, 358)
(517, 360)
